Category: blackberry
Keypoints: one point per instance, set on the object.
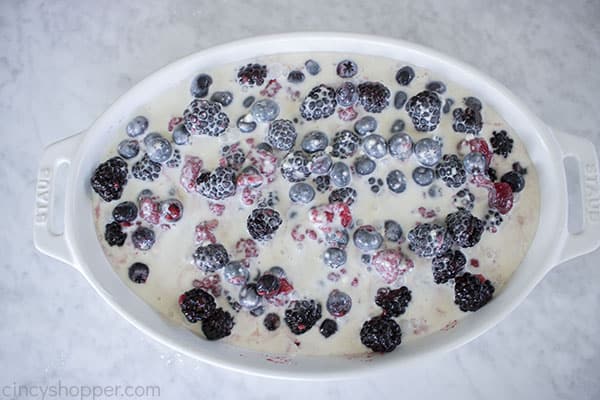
(211, 257)
(272, 321)
(145, 169)
(109, 178)
(295, 167)
(235, 157)
(196, 304)
(501, 143)
(323, 183)
(138, 272)
(282, 134)
(114, 235)
(473, 102)
(451, 171)
(345, 143)
(373, 96)
(428, 240)
(381, 334)
(464, 199)
(518, 168)
(471, 292)
(302, 315)
(328, 327)
(126, 211)
(393, 301)
(405, 75)
(204, 117)
(175, 160)
(424, 110)
(493, 219)
(218, 184)
(464, 228)
(262, 223)
(492, 174)
(515, 180)
(467, 120)
(447, 265)
(319, 103)
(269, 200)
(217, 325)
(345, 195)
(252, 75)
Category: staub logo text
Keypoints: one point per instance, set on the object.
(592, 192)
(42, 195)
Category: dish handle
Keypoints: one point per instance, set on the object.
(48, 242)
(588, 240)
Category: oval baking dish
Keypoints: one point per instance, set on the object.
(552, 244)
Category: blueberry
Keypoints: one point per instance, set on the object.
(248, 101)
(392, 230)
(301, 192)
(272, 321)
(320, 163)
(224, 98)
(515, 180)
(264, 146)
(447, 105)
(265, 110)
(236, 273)
(365, 125)
(399, 99)
(405, 75)
(346, 69)
(181, 135)
(366, 238)
(397, 126)
(277, 271)
(314, 141)
(328, 327)
(143, 238)
(295, 77)
(340, 174)
(267, 285)
(128, 148)
(428, 152)
(423, 176)
(258, 311)
(338, 303)
(334, 257)
(337, 238)
(473, 102)
(137, 126)
(126, 211)
(200, 85)
(401, 146)
(374, 145)
(436, 86)
(475, 163)
(248, 297)
(363, 165)
(158, 148)
(312, 67)
(245, 124)
(396, 181)
(347, 94)
(138, 272)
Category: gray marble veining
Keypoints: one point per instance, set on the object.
(63, 62)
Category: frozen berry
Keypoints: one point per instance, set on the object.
(125, 212)
(381, 334)
(428, 152)
(346, 69)
(475, 163)
(373, 96)
(137, 126)
(312, 67)
(363, 165)
(211, 257)
(405, 75)
(175, 160)
(338, 303)
(464, 228)
(218, 184)
(295, 77)
(302, 315)
(467, 121)
(397, 126)
(423, 176)
(424, 110)
(252, 75)
(347, 94)
(236, 273)
(447, 265)
(515, 180)
(464, 199)
(392, 231)
(110, 178)
(401, 146)
(451, 171)
(501, 143)
(262, 223)
(143, 238)
(396, 181)
(200, 85)
(271, 321)
(204, 117)
(223, 98)
(319, 103)
(145, 169)
(158, 149)
(345, 144)
(344, 195)
(340, 174)
(320, 163)
(366, 238)
(196, 304)
(314, 141)
(282, 134)
(301, 192)
(473, 102)
(436, 86)
(114, 235)
(365, 125)
(501, 198)
(471, 292)
(138, 272)
(393, 301)
(328, 327)
(493, 219)
(428, 240)
(171, 210)
(181, 135)
(400, 99)
(323, 183)
(334, 257)
(267, 285)
(249, 297)
(294, 167)
(128, 148)
(217, 325)
(264, 110)
(374, 145)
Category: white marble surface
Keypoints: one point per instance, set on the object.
(63, 62)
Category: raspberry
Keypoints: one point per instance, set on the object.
(109, 179)
(501, 197)
(204, 117)
(262, 223)
(393, 301)
(302, 315)
(319, 103)
(295, 167)
(381, 334)
(196, 304)
(323, 183)
(345, 144)
(218, 184)
(467, 121)
(451, 171)
(345, 195)
(424, 110)
(390, 264)
(326, 217)
(373, 96)
(501, 143)
(217, 325)
(447, 265)
(146, 169)
(211, 257)
(471, 292)
(428, 240)
(189, 173)
(252, 75)
(282, 134)
(464, 228)
(113, 234)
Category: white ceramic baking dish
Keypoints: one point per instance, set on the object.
(552, 245)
